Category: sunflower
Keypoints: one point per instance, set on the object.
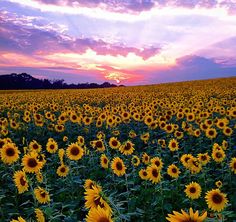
(216, 200)
(194, 165)
(51, 146)
(162, 142)
(221, 124)
(115, 132)
(88, 184)
(114, 143)
(74, 118)
(173, 171)
(197, 132)
(154, 174)
(190, 117)
(31, 163)
(224, 145)
(98, 144)
(227, 131)
(104, 161)
(232, 165)
(80, 140)
(59, 128)
(118, 166)
(41, 195)
(135, 160)
(19, 219)
(74, 151)
(179, 134)
(148, 120)
(173, 145)
(94, 198)
(218, 184)
(39, 215)
(98, 215)
(185, 158)
(62, 170)
(145, 137)
(9, 153)
(211, 133)
(143, 174)
(127, 148)
(157, 162)
(61, 153)
(39, 177)
(218, 155)
(169, 128)
(132, 134)
(193, 190)
(99, 123)
(203, 158)
(35, 146)
(145, 158)
(21, 181)
(185, 217)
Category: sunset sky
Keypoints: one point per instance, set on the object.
(129, 42)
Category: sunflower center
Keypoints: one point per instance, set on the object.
(63, 170)
(119, 166)
(234, 166)
(227, 130)
(105, 160)
(98, 202)
(127, 146)
(52, 146)
(145, 173)
(217, 198)
(157, 163)
(192, 190)
(98, 144)
(43, 194)
(32, 163)
(22, 181)
(173, 144)
(35, 146)
(74, 151)
(114, 143)
(211, 133)
(174, 170)
(203, 158)
(10, 152)
(103, 219)
(154, 173)
(218, 155)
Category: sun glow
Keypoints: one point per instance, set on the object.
(117, 76)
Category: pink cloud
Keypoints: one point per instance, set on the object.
(137, 6)
(36, 40)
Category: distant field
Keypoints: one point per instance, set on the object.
(119, 154)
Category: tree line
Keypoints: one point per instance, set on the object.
(26, 81)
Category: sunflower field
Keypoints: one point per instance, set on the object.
(157, 153)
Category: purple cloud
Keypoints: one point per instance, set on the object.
(136, 6)
(189, 67)
(36, 39)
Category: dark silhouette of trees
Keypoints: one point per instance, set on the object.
(26, 81)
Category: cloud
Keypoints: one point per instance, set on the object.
(189, 67)
(224, 52)
(136, 6)
(20, 35)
